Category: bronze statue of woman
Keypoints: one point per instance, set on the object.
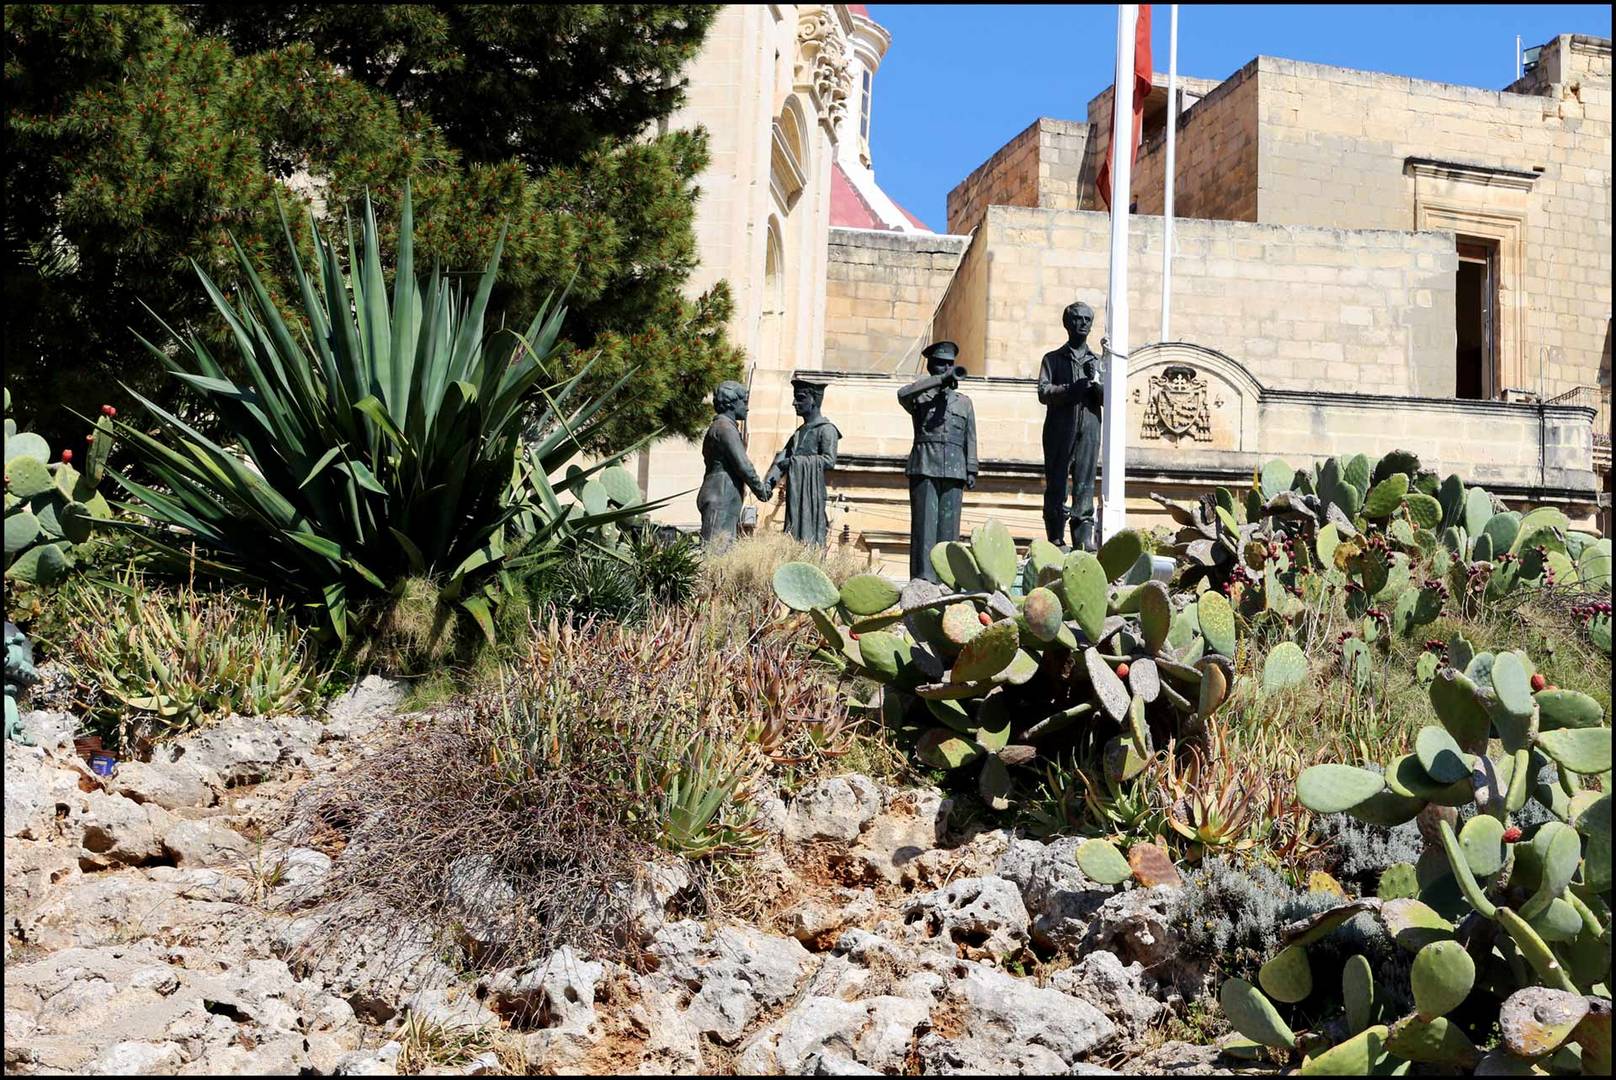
(727, 468)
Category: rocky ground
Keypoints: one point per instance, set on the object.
(160, 922)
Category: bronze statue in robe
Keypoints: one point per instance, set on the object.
(802, 464)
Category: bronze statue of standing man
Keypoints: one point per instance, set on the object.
(727, 468)
(1071, 384)
(942, 462)
(807, 455)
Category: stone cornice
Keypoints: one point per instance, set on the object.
(1465, 172)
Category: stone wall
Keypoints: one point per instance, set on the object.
(1216, 157)
(881, 291)
(1518, 451)
(1304, 307)
(1042, 166)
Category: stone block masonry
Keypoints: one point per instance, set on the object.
(881, 291)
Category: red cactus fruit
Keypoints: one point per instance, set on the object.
(854, 636)
(89, 438)
(1512, 834)
(983, 618)
(1122, 671)
(67, 455)
(1539, 682)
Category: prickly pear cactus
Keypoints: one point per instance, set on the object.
(1010, 660)
(51, 507)
(1507, 925)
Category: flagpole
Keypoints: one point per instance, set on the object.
(1167, 199)
(1114, 419)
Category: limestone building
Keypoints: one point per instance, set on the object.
(1362, 262)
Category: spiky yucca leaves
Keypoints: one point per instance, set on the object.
(372, 443)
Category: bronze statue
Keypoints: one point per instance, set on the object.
(942, 463)
(1071, 383)
(809, 452)
(727, 468)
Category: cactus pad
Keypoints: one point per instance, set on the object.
(868, 594)
(1423, 510)
(1253, 1015)
(1482, 841)
(1441, 978)
(1217, 623)
(1385, 497)
(987, 653)
(1101, 862)
(1285, 667)
(1454, 698)
(1043, 614)
(1432, 1042)
(1119, 554)
(961, 623)
(1579, 750)
(994, 553)
(1155, 614)
(882, 653)
(1113, 695)
(944, 749)
(1083, 583)
(1439, 755)
(804, 587)
(1398, 882)
(1287, 976)
(1331, 788)
(1358, 993)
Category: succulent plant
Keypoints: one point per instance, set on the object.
(20, 675)
(51, 506)
(1009, 660)
(1504, 923)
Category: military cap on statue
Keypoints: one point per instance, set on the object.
(941, 350)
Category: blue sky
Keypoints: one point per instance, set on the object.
(961, 80)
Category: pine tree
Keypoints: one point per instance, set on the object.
(140, 141)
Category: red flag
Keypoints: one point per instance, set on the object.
(1141, 90)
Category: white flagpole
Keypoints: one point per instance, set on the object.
(1167, 202)
(1114, 420)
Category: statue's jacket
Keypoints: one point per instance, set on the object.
(1073, 397)
(945, 430)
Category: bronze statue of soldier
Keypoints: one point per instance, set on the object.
(802, 463)
(942, 462)
(727, 468)
(1071, 384)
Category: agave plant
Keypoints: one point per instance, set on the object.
(375, 442)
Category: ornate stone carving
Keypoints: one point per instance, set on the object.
(823, 64)
(1177, 406)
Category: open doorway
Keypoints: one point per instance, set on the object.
(1476, 314)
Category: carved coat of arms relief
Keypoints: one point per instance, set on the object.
(1176, 406)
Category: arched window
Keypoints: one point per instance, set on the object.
(788, 171)
(772, 313)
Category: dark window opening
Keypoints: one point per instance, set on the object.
(1475, 311)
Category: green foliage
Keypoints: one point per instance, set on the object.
(162, 662)
(51, 507)
(386, 452)
(1510, 921)
(136, 140)
(1017, 678)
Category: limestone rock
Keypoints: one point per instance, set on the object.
(1116, 990)
(648, 895)
(358, 712)
(908, 826)
(382, 1061)
(823, 1032)
(204, 842)
(40, 796)
(122, 832)
(1000, 1024)
(732, 974)
(170, 786)
(556, 992)
(247, 749)
(978, 916)
(1136, 925)
(1060, 898)
(97, 909)
(835, 808)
